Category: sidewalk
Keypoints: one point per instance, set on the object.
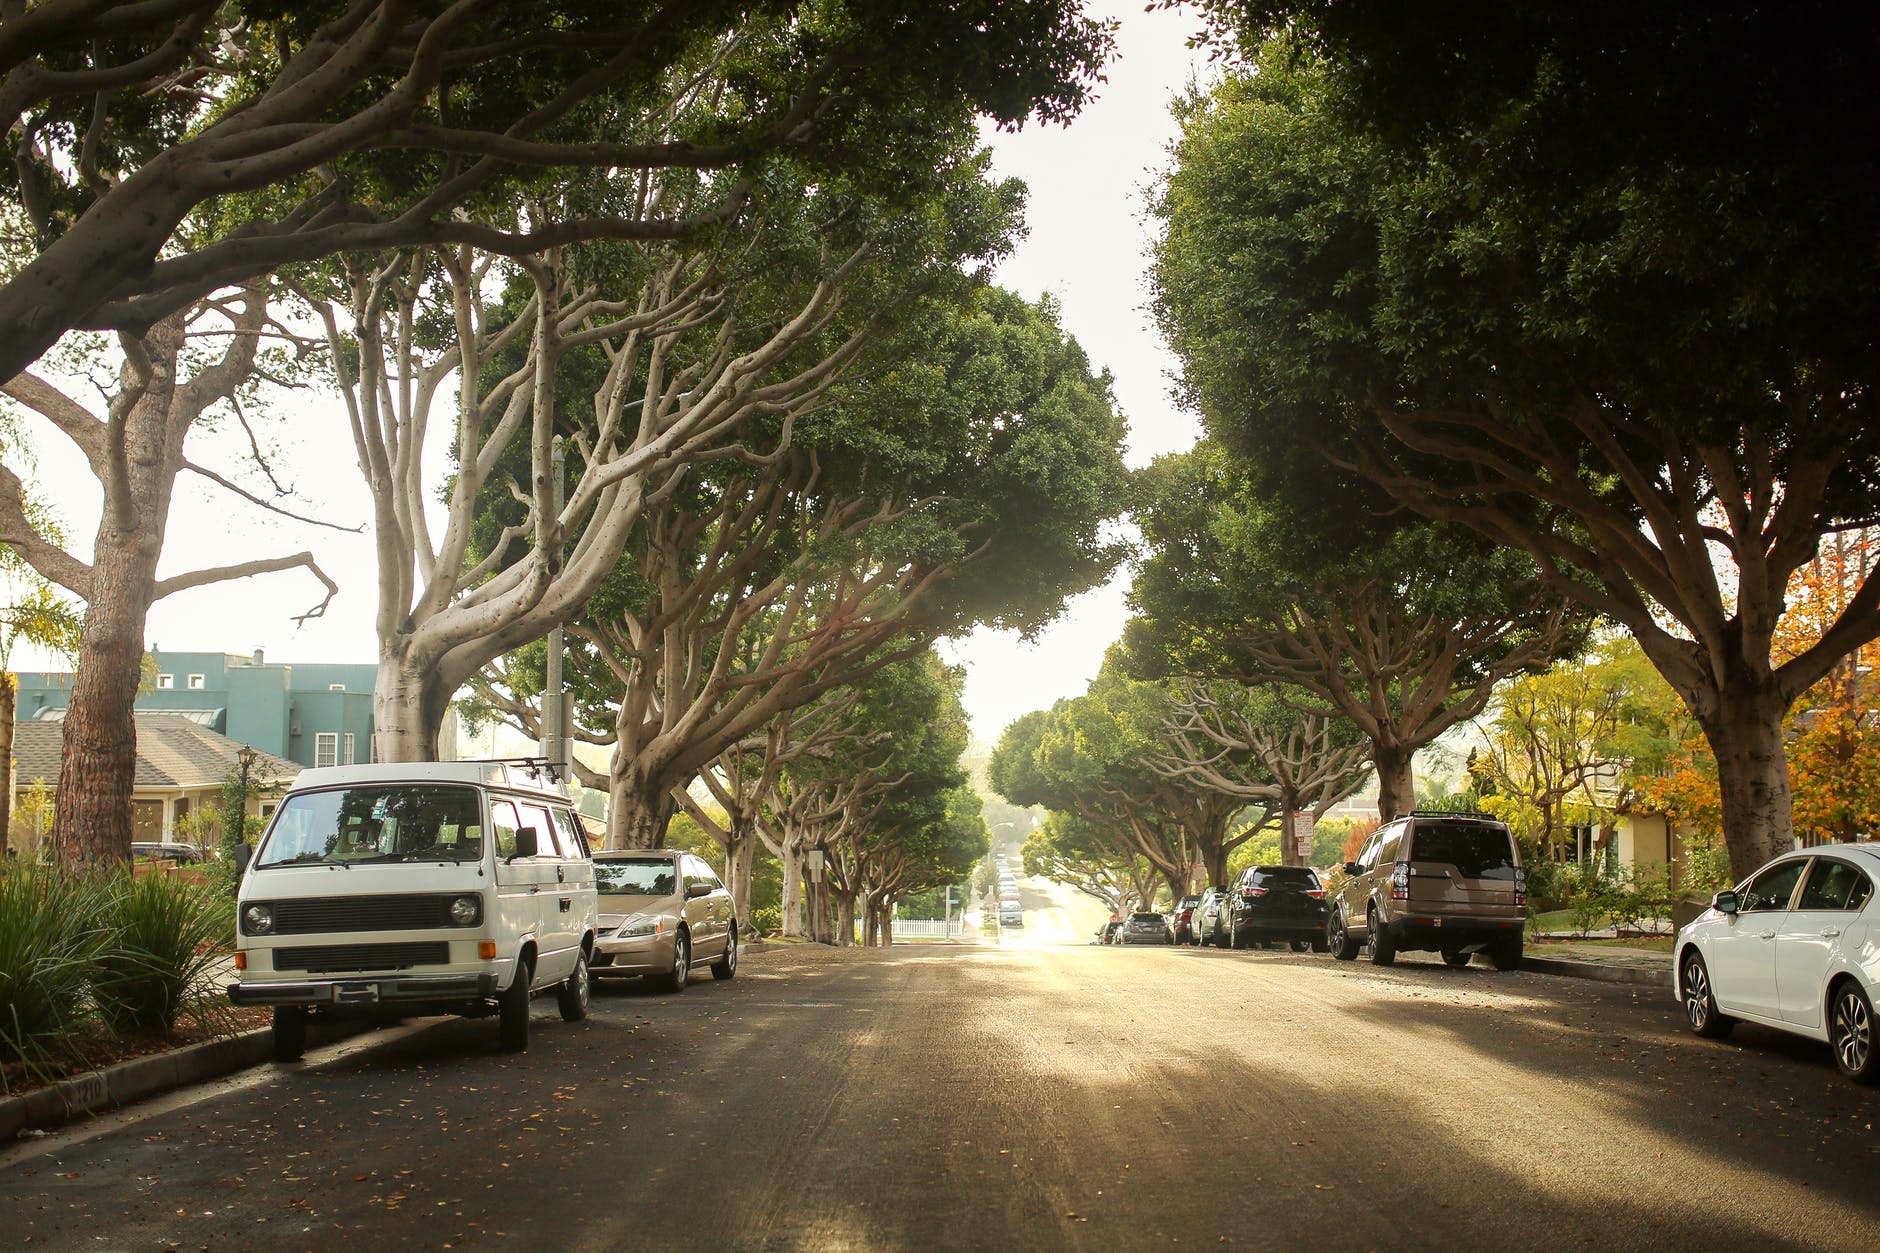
(1608, 963)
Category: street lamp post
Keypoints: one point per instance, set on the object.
(245, 757)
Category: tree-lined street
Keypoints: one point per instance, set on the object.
(1088, 1098)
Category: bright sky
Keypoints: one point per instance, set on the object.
(1087, 246)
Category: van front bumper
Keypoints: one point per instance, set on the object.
(387, 990)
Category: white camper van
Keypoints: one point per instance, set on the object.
(459, 887)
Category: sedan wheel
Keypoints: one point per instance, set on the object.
(674, 980)
(1850, 1031)
(1700, 1003)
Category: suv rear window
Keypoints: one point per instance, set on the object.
(1476, 851)
(1285, 877)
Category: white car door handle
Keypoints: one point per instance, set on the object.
(1829, 933)
(1765, 935)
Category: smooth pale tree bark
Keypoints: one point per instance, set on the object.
(136, 452)
(442, 616)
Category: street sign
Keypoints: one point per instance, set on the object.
(815, 863)
(1302, 825)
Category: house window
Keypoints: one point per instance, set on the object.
(336, 687)
(195, 683)
(348, 759)
(166, 681)
(326, 748)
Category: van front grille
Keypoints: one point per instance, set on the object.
(314, 915)
(327, 958)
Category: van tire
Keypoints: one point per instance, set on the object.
(572, 996)
(1383, 948)
(727, 964)
(1506, 954)
(512, 1011)
(288, 1038)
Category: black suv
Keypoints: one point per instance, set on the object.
(1275, 903)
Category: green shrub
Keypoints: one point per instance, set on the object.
(767, 920)
(164, 935)
(52, 930)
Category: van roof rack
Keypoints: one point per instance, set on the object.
(534, 766)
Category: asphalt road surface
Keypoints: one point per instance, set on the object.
(981, 1098)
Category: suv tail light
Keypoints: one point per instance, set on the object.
(1253, 891)
(1318, 892)
(1400, 881)
(1520, 885)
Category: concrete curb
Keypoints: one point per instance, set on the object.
(1599, 971)
(130, 1081)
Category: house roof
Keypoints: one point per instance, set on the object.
(173, 752)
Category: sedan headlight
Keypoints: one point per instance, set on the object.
(642, 926)
(466, 911)
(257, 920)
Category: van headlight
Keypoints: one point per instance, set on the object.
(466, 911)
(257, 920)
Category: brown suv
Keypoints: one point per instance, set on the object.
(1447, 882)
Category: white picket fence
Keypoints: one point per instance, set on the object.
(928, 929)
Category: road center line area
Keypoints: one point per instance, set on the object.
(1037, 1098)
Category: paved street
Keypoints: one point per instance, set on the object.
(1072, 1097)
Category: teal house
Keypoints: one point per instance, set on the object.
(313, 714)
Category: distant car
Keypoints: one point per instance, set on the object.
(1181, 919)
(1205, 923)
(662, 912)
(1147, 928)
(1276, 904)
(1796, 947)
(181, 854)
(1011, 916)
(1108, 932)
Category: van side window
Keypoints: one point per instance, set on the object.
(573, 838)
(504, 822)
(547, 839)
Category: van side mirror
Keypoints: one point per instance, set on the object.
(1725, 903)
(525, 844)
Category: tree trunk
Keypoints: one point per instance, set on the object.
(793, 913)
(1396, 785)
(740, 859)
(408, 706)
(9, 708)
(1753, 779)
(98, 763)
(887, 923)
(1216, 859)
(638, 811)
(844, 919)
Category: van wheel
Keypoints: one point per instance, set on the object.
(289, 1035)
(512, 1011)
(575, 989)
(1339, 940)
(1506, 954)
(1455, 957)
(1383, 948)
(674, 980)
(727, 965)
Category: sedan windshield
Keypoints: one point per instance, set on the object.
(392, 823)
(646, 877)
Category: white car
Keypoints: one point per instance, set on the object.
(1796, 946)
(417, 888)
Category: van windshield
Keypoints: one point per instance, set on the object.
(1476, 851)
(392, 823)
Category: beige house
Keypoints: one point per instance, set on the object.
(181, 765)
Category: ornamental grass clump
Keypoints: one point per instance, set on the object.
(53, 932)
(163, 938)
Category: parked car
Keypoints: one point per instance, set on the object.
(663, 911)
(1182, 919)
(1011, 916)
(181, 854)
(1276, 904)
(1205, 923)
(1796, 947)
(467, 889)
(1107, 933)
(1146, 927)
(1448, 882)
